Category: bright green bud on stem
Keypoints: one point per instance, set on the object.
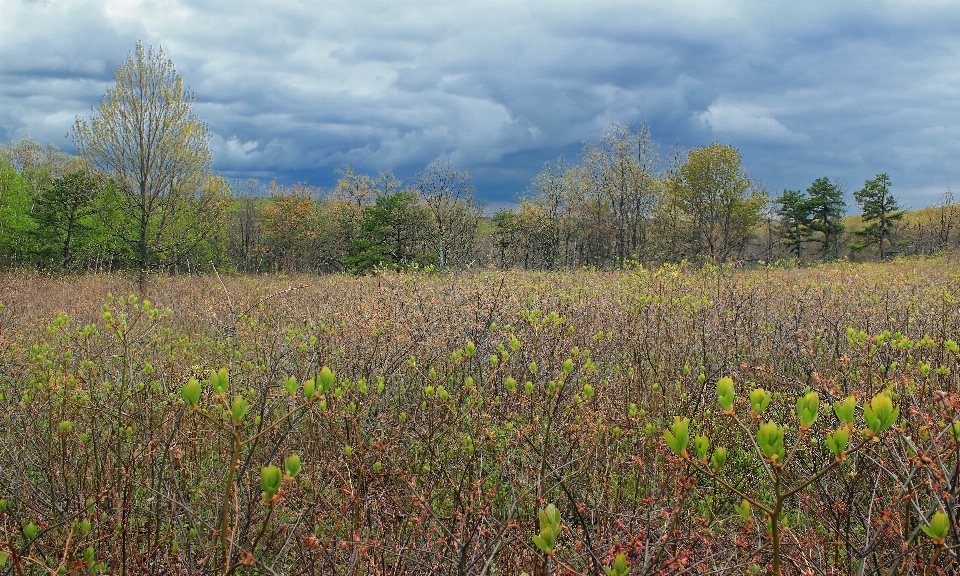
(880, 414)
(270, 480)
(725, 393)
(679, 436)
(743, 509)
(291, 385)
(938, 529)
(702, 444)
(844, 410)
(770, 440)
(191, 393)
(837, 442)
(759, 400)
(292, 465)
(30, 531)
(620, 567)
(239, 410)
(220, 381)
(807, 408)
(719, 458)
(324, 380)
(549, 529)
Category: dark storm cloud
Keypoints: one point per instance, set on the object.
(293, 90)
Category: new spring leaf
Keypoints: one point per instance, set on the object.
(719, 458)
(759, 400)
(770, 440)
(270, 480)
(324, 380)
(191, 393)
(292, 465)
(620, 567)
(725, 393)
(880, 414)
(239, 409)
(220, 381)
(743, 509)
(807, 408)
(291, 385)
(837, 442)
(844, 410)
(938, 529)
(549, 529)
(678, 436)
(702, 444)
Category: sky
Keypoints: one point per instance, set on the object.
(293, 90)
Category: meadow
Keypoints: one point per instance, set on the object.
(681, 420)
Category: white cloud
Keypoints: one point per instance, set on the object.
(748, 123)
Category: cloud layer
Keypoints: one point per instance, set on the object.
(293, 90)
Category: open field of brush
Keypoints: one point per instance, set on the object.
(682, 420)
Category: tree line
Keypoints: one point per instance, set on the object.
(141, 195)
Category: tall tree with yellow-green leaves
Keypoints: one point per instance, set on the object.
(144, 135)
(717, 204)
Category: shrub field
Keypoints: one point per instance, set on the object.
(673, 421)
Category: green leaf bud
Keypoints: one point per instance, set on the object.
(719, 459)
(678, 436)
(620, 567)
(587, 391)
(568, 365)
(292, 465)
(549, 529)
(844, 410)
(770, 440)
(807, 407)
(220, 381)
(725, 393)
(743, 509)
(309, 389)
(291, 385)
(759, 400)
(270, 480)
(324, 380)
(837, 442)
(702, 445)
(66, 426)
(880, 414)
(239, 409)
(191, 393)
(30, 531)
(939, 528)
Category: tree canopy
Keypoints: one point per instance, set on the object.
(144, 135)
